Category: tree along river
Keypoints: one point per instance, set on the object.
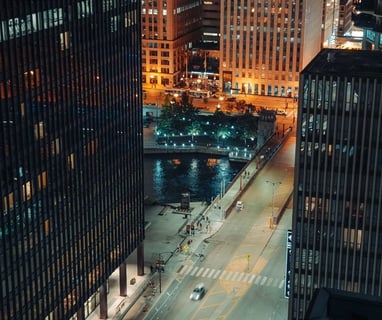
(167, 176)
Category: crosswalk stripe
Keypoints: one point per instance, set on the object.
(242, 275)
(246, 276)
(235, 274)
(211, 273)
(194, 271)
(205, 272)
(263, 281)
(231, 276)
(187, 270)
(200, 272)
(216, 274)
(228, 275)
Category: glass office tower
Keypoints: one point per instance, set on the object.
(337, 222)
(70, 152)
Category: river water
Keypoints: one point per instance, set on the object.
(167, 176)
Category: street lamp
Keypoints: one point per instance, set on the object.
(159, 267)
(271, 222)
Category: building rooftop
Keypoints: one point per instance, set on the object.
(337, 304)
(361, 63)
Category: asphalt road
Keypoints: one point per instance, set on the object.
(244, 263)
(156, 97)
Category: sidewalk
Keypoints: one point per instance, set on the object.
(165, 232)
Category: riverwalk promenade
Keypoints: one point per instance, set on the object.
(168, 240)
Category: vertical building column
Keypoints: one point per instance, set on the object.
(140, 260)
(122, 280)
(103, 302)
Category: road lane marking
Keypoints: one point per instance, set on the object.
(199, 272)
(231, 276)
(235, 274)
(211, 273)
(242, 275)
(252, 278)
(187, 270)
(205, 272)
(194, 271)
(216, 274)
(246, 276)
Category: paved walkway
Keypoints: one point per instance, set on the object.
(167, 240)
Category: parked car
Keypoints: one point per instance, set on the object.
(198, 292)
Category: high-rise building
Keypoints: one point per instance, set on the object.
(170, 28)
(367, 15)
(344, 17)
(329, 23)
(337, 224)
(211, 25)
(265, 44)
(70, 154)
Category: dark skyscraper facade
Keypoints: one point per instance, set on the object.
(70, 153)
(337, 222)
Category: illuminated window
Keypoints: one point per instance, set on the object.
(22, 109)
(108, 5)
(27, 191)
(8, 202)
(41, 179)
(46, 227)
(39, 130)
(71, 161)
(114, 21)
(352, 237)
(91, 148)
(84, 9)
(64, 40)
(55, 146)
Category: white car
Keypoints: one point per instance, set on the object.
(198, 292)
(240, 205)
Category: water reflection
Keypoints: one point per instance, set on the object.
(167, 176)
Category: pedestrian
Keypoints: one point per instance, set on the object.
(192, 230)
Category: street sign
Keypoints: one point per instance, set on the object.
(288, 257)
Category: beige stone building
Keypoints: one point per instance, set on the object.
(169, 29)
(264, 44)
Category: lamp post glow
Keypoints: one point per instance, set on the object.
(271, 220)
